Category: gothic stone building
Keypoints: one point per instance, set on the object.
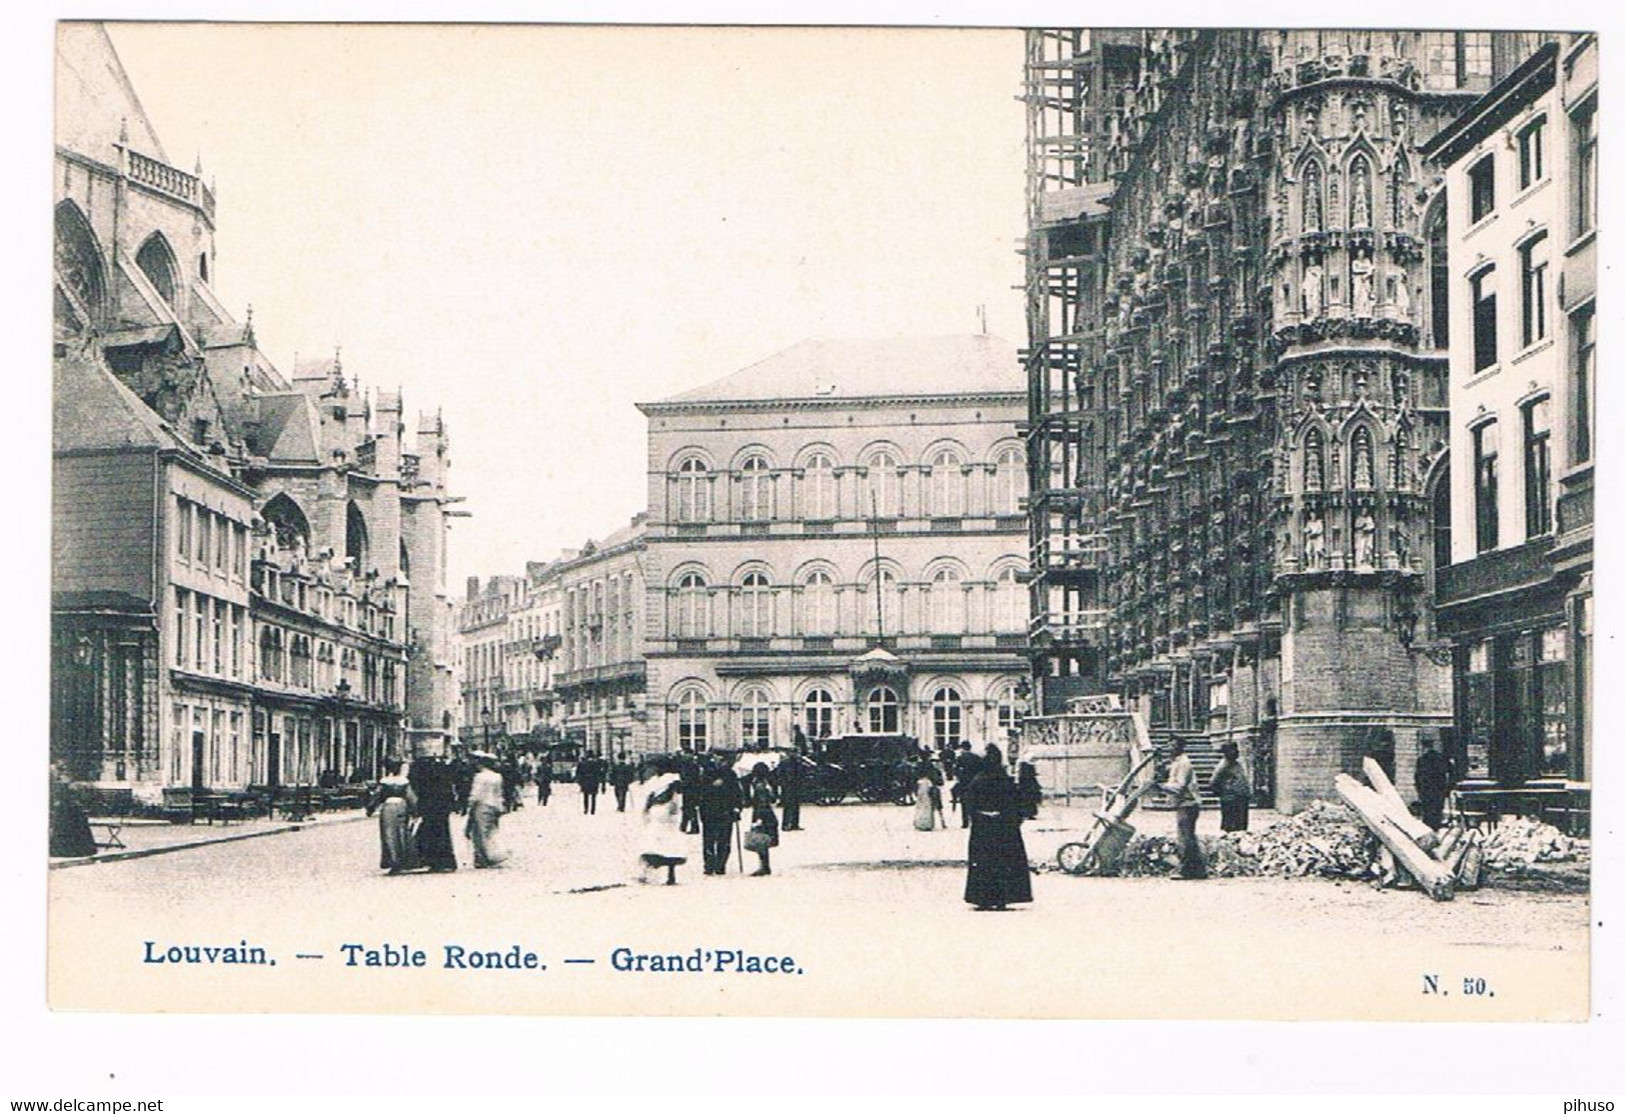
(835, 543)
(247, 578)
(1239, 383)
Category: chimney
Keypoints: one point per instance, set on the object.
(473, 588)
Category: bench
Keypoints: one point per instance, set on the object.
(224, 807)
(179, 805)
(105, 831)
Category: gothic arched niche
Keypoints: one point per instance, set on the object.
(79, 260)
(355, 537)
(157, 262)
(1362, 460)
(1314, 199)
(288, 523)
(1360, 192)
(1314, 461)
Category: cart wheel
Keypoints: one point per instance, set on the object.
(1075, 858)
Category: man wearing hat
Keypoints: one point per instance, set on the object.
(1233, 788)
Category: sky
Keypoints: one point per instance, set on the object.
(534, 228)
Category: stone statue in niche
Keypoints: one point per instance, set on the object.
(1402, 293)
(1314, 543)
(1402, 545)
(1364, 295)
(1359, 116)
(1400, 115)
(1365, 540)
(1313, 299)
(1311, 120)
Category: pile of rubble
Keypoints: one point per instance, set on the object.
(1325, 840)
(1517, 844)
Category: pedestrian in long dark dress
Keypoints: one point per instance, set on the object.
(71, 836)
(762, 816)
(434, 784)
(997, 873)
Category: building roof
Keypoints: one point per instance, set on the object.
(287, 429)
(1519, 88)
(92, 410)
(852, 368)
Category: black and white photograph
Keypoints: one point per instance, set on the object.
(839, 522)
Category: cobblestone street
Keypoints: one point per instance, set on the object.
(857, 896)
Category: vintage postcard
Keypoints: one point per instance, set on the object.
(908, 522)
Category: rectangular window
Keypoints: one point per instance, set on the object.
(1583, 129)
(1532, 268)
(181, 606)
(1532, 154)
(1537, 468)
(1484, 345)
(222, 544)
(1481, 187)
(183, 529)
(1583, 327)
(204, 537)
(200, 632)
(241, 555)
(1486, 497)
(219, 637)
(236, 641)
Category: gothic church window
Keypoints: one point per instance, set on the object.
(157, 262)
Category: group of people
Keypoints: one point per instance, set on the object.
(414, 811)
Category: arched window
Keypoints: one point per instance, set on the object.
(882, 604)
(818, 488)
(1009, 481)
(755, 490)
(693, 491)
(1010, 611)
(288, 524)
(755, 606)
(755, 717)
(818, 714)
(1438, 277)
(692, 716)
(79, 259)
(1314, 461)
(884, 717)
(947, 485)
(157, 262)
(883, 501)
(818, 604)
(355, 538)
(1313, 199)
(947, 602)
(1440, 510)
(947, 717)
(1362, 475)
(693, 607)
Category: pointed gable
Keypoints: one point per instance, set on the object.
(94, 97)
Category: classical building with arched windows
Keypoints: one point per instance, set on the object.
(835, 543)
(248, 583)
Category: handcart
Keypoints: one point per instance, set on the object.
(1101, 851)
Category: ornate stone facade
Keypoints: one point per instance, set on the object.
(1254, 371)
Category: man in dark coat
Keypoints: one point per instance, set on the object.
(1432, 782)
(590, 777)
(544, 780)
(788, 776)
(689, 785)
(997, 873)
(966, 767)
(719, 803)
(620, 780)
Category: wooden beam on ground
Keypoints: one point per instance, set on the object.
(1433, 876)
(1425, 837)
